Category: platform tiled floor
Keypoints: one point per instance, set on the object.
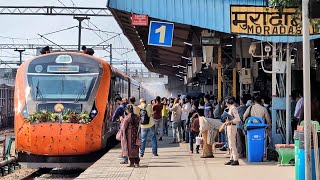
(174, 163)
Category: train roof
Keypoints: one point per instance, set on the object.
(121, 74)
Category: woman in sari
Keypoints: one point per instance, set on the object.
(209, 130)
(204, 128)
(131, 139)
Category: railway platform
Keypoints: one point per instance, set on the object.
(175, 162)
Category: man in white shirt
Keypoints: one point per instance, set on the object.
(299, 105)
(186, 109)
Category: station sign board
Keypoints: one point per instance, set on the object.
(139, 20)
(210, 41)
(266, 21)
(160, 33)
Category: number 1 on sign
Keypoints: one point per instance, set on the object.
(162, 31)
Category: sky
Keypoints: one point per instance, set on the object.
(27, 28)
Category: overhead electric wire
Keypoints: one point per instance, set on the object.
(84, 21)
(105, 40)
(61, 30)
(51, 41)
(100, 30)
(12, 38)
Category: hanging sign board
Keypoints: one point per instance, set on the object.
(160, 33)
(256, 20)
(139, 20)
(210, 41)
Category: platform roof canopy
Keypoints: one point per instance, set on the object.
(241, 18)
(155, 58)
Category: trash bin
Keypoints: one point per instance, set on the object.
(301, 157)
(255, 138)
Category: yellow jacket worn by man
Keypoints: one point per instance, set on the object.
(148, 128)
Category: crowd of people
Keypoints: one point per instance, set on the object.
(202, 119)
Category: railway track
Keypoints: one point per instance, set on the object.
(45, 173)
(36, 173)
(53, 174)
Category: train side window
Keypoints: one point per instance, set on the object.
(112, 88)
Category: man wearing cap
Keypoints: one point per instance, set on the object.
(231, 124)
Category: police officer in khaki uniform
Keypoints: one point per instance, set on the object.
(231, 124)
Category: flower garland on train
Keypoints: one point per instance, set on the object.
(66, 117)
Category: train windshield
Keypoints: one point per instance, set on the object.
(61, 87)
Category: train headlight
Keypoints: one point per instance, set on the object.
(94, 111)
(24, 112)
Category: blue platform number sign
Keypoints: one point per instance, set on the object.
(160, 33)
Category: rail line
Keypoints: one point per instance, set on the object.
(36, 173)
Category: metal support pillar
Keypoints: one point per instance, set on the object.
(224, 85)
(288, 95)
(234, 70)
(274, 75)
(219, 73)
(80, 19)
(126, 67)
(306, 88)
(252, 84)
(234, 82)
(214, 84)
(20, 53)
(240, 83)
(246, 89)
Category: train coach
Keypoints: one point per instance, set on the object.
(63, 105)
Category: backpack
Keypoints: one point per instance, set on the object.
(144, 118)
(195, 125)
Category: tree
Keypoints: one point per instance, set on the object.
(281, 4)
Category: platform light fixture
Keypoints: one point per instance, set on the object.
(188, 44)
(183, 57)
(179, 66)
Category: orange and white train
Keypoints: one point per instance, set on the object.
(63, 105)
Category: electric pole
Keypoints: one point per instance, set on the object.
(306, 87)
(20, 52)
(110, 54)
(80, 19)
(127, 67)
